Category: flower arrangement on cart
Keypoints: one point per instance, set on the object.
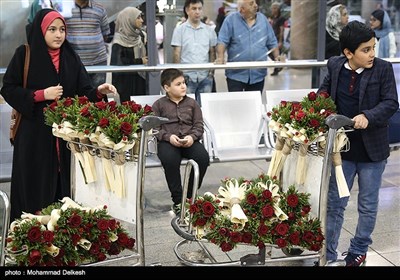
(255, 212)
(302, 125)
(104, 129)
(65, 234)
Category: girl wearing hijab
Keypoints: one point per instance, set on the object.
(41, 168)
(385, 41)
(129, 48)
(336, 19)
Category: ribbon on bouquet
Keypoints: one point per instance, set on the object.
(231, 195)
(340, 141)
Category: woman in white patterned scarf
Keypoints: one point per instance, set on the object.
(336, 19)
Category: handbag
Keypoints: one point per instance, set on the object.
(15, 115)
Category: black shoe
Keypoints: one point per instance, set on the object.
(276, 71)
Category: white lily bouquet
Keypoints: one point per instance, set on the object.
(106, 127)
(303, 123)
(65, 234)
(255, 212)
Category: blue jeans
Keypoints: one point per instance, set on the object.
(234, 85)
(196, 88)
(369, 183)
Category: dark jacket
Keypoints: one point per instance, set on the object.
(41, 175)
(129, 83)
(378, 101)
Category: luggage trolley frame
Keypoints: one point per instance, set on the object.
(184, 229)
(137, 257)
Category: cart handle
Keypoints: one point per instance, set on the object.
(335, 121)
(149, 122)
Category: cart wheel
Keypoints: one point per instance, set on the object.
(292, 251)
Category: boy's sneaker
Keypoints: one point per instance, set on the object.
(355, 259)
(176, 208)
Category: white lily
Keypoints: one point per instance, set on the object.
(54, 216)
(85, 244)
(232, 194)
(42, 219)
(69, 203)
(52, 250)
(113, 237)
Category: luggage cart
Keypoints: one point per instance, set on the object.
(6, 207)
(193, 252)
(129, 209)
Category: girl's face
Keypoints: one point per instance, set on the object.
(177, 89)
(139, 22)
(55, 34)
(374, 22)
(344, 19)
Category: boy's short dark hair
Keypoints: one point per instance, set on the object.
(170, 74)
(354, 34)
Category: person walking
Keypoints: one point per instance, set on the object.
(242, 29)
(194, 42)
(129, 48)
(364, 89)
(41, 168)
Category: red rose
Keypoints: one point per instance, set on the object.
(136, 107)
(314, 123)
(101, 105)
(308, 237)
(48, 236)
(34, 234)
(281, 242)
(223, 231)
(247, 237)
(282, 229)
(34, 257)
(122, 239)
(295, 238)
(208, 209)
(147, 109)
(101, 257)
(226, 247)
(266, 194)
(267, 211)
(126, 128)
(201, 222)
(102, 224)
(251, 199)
(75, 221)
(235, 237)
(262, 230)
(292, 200)
(85, 112)
(68, 102)
(82, 100)
(131, 243)
(312, 96)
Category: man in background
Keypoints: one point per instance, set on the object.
(246, 35)
(87, 32)
(194, 42)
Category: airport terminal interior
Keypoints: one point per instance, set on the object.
(159, 246)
